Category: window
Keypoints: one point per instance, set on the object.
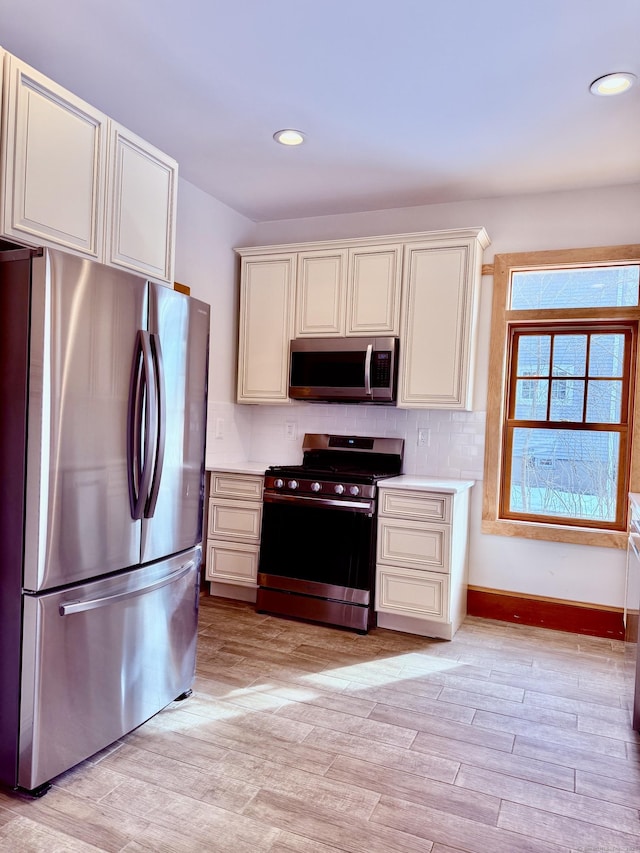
(561, 403)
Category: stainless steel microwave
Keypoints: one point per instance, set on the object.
(344, 370)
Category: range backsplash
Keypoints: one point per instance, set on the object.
(453, 441)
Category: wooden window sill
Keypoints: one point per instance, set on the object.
(556, 533)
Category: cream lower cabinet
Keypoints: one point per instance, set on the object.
(421, 572)
(233, 534)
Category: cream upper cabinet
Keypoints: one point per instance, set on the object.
(441, 284)
(422, 288)
(143, 192)
(53, 163)
(373, 290)
(348, 291)
(73, 179)
(266, 327)
(321, 293)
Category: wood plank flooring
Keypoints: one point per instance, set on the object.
(306, 739)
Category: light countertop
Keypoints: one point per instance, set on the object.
(239, 467)
(427, 484)
(404, 481)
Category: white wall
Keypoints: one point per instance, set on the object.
(206, 234)
(456, 440)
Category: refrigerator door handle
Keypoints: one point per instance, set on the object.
(104, 601)
(142, 403)
(161, 427)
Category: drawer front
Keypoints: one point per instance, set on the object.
(412, 593)
(245, 486)
(232, 562)
(414, 544)
(397, 503)
(234, 520)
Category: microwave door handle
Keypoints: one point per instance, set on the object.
(367, 370)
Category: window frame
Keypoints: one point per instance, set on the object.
(503, 320)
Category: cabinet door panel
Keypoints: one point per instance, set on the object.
(232, 562)
(320, 294)
(435, 353)
(373, 302)
(266, 321)
(413, 544)
(425, 505)
(143, 203)
(54, 164)
(410, 593)
(234, 520)
(241, 486)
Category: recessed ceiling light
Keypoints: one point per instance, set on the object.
(613, 84)
(289, 137)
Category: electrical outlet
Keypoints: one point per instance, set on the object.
(423, 437)
(219, 433)
(290, 430)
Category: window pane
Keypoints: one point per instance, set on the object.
(569, 355)
(607, 355)
(589, 287)
(604, 401)
(531, 399)
(533, 355)
(567, 400)
(564, 473)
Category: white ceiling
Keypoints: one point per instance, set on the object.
(403, 102)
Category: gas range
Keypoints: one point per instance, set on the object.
(347, 467)
(317, 552)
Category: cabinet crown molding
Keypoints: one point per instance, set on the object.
(446, 237)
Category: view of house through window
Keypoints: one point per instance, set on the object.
(561, 450)
(566, 430)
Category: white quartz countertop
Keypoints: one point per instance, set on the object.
(427, 484)
(238, 467)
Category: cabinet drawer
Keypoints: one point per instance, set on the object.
(398, 503)
(234, 520)
(413, 544)
(246, 486)
(232, 562)
(412, 593)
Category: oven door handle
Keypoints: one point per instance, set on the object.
(329, 503)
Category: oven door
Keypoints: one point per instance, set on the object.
(318, 547)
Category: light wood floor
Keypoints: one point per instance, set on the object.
(306, 739)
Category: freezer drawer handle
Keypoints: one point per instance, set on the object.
(105, 601)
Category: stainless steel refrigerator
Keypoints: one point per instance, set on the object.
(102, 432)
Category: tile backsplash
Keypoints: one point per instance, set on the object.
(437, 443)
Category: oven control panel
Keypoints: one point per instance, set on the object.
(319, 488)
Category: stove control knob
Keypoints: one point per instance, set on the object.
(278, 483)
(354, 490)
(338, 489)
(315, 487)
(293, 484)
